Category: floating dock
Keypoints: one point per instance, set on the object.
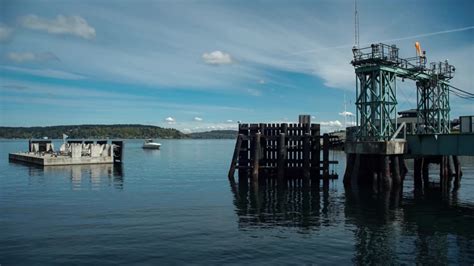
(76, 152)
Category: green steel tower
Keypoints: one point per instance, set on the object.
(376, 91)
(433, 99)
(377, 68)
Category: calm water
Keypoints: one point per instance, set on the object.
(177, 206)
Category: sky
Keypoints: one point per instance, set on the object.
(204, 65)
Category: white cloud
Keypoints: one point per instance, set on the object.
(198, 119)
(330, 126)
(5, 32)
(73, 25)
(217, 58)
(230, 121)
(21, 57)
(213, 126)
(334, 123)
(170, 120)
(49, 73)
(346, 113)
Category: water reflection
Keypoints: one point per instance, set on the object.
(387, 228)
(289, 204)
(432, 227)
(92, 176)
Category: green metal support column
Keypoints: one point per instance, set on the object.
(376, 102)
(433, 106)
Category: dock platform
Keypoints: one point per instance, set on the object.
(74, 152)
(52, 159)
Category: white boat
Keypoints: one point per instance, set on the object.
(149, 144)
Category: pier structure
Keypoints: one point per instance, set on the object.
(73, 152)
(283, 151)
(376, 151)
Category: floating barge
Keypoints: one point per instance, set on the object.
(73, 152)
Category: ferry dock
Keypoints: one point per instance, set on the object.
(378, 144)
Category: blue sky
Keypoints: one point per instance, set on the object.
(200, 65)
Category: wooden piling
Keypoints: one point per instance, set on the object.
(375, 178)
(243, 159)
(426, 172)
(458, 173)
(447, 178)
(403, 167)
(350, 158)
(233, 164)
(281, 156)
(306, 159)
(451, 168)
(443, 174)
(263, 144)
(417, 173)
(315, 151)
(325, 156)
(395, 165)
(386, 178)
(355, 172)
(256, 157)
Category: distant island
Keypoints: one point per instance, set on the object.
(120, 131)
(215, 134)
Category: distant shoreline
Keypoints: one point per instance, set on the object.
(118, 131)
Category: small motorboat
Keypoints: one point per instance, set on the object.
(149, 144)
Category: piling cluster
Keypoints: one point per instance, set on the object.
(449, 171)
(282, 151)
(380, 172)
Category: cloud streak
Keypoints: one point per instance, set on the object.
(421, 35)
(344, 46)
(23, 57)
(72, 25)
(49, 73)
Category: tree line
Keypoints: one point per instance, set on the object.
(121, 131)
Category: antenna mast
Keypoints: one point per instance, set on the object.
(356, 25)
(345, 112)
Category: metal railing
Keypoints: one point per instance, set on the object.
(388, 54)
